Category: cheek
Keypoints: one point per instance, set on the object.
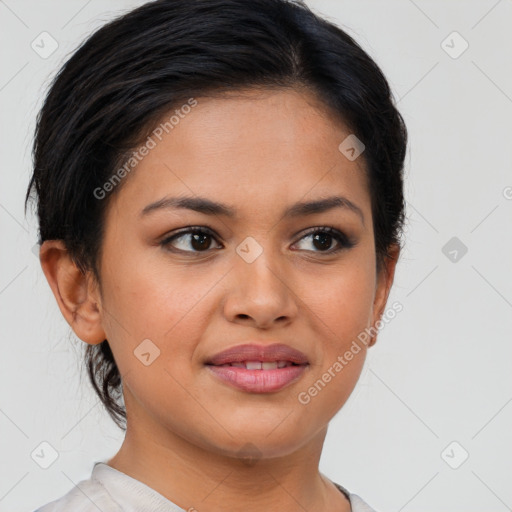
(343, 304)
(342, 315)
(342, 309)
(149, 302)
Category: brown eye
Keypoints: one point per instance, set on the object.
(192, 240)
(322, 240)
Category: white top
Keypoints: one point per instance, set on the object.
(110, 490)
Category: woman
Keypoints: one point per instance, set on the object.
(220, 201)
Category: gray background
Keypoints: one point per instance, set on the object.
(440, 371)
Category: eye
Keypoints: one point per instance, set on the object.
(323, 237)
(198, 238)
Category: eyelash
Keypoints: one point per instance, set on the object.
(343, 241)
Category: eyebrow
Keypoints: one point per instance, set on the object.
(209, 207)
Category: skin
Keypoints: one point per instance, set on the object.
(258, 152)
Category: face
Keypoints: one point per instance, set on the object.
(181, 284)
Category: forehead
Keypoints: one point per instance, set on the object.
(253, 150)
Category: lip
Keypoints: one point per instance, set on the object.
(256, 352)
(258, 381)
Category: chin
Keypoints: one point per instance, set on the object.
(251, 445)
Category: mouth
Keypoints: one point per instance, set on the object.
(258, 368)
(258, 365)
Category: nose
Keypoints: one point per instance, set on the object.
(260, 294)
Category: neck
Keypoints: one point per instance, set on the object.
(200, 479)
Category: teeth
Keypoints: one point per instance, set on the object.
(259, 365)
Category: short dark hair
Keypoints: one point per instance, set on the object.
(130, 72)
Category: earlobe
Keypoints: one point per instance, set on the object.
(384, 282)
(77, 298)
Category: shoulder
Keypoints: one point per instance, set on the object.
(357, 504)
(87, 496)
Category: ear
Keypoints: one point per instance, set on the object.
(384, 282)
(76, 293)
